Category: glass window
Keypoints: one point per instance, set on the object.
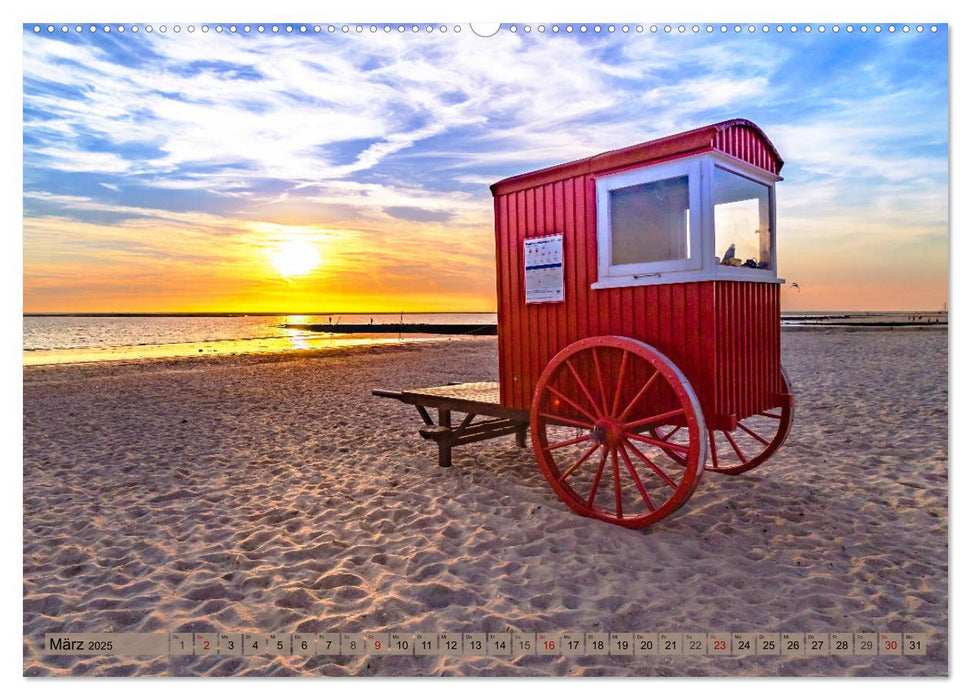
(649, 222)
(743, 236)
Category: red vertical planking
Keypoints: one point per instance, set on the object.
(616, 323)
(502, 298)
(600, 298)
(707, 341)
(723, 342)
(515, 261)
(628, 311)
(588, 216)
(571, 267)
(733, 381)
(516, 315)
(547, 321)
(526, 326)
(546, 329)
(718, 343)
(777, 337)
(639, 309)
(741, 373)
(750, 332)
(568, 290)
(753, 335)
(756, 337)
(746, 144)
(744, 338)
(665, 319)
(652, 308)
(554, 225)
(538, 337)
(693, 322)
(747, 347)
(506, 328)
(587, 221)
(764, 347)
(679, 322)
(574, 188)
(736, 379)
(725, 360)
(510, 330)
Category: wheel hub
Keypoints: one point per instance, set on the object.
(607, 432)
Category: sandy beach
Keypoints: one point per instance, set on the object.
(274, 493)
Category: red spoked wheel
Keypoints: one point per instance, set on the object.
(753, 441)
(593, 409)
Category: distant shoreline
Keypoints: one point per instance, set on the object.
(435, 328)
(789, 315)
(241, 314)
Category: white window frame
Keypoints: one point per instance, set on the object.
(688, 167)
(701, 264)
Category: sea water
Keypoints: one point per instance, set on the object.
(59, 339)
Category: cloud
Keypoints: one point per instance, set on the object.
(214, 140)
(417, 214)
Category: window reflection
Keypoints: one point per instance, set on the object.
(649, 222)
(743, 237)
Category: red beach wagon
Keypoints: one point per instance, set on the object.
(638, 323)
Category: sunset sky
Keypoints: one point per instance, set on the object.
(350, 172)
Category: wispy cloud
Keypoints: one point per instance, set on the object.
(213, 140)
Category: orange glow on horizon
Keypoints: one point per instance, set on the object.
(210, 265)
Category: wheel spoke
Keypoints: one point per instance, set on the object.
(575, 405)
(672, 432)
(637, 398)
(558, 445)
(620, 383)
(659, 418)
(618, 501)
(565, 421)
(656, 469)
(581, 460)
(637, 480)
(770, 415)
(596, 479)
(600, 379)
(657, 443)
(583, 387)
(753, 433)
(731, 441)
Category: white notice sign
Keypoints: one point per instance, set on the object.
(543, 260)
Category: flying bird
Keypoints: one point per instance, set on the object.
(795, 285)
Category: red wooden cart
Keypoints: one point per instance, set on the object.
(638, 323)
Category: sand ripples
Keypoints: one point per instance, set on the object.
(243, 495)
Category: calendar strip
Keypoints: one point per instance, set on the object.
(499, 644)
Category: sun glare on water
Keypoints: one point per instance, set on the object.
(295, 257)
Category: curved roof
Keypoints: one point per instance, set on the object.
(740, 138)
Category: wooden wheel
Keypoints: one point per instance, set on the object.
(736, 451)
(593, 408)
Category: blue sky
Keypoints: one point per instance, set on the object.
(159, 168)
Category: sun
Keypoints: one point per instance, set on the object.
(294, 257)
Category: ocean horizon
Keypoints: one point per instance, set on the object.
(50, 338)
